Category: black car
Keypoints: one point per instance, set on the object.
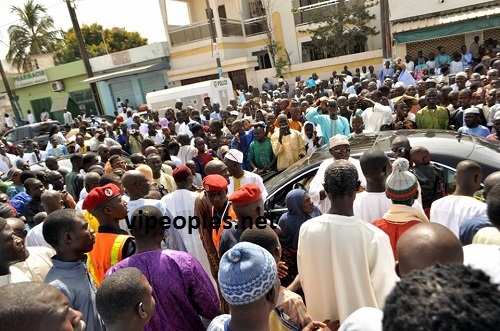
(447, 149)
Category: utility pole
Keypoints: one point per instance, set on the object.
(214, 40)
(9, 93)
(385, 30)
(85, 57)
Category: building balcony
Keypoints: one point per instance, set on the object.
(307, 14)
(255, 26)
(189, 33)
(231, 27)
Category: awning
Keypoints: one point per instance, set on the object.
(438, 26)
(59, 104)
(127, 72)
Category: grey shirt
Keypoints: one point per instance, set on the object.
(74, 281)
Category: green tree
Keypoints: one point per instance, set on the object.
(98, 41)
(35, 34)
(342, 30)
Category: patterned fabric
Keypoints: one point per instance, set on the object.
(247, 272)
(261, 154)
(432, 118)
(292, 305)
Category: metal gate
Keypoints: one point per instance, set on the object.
(150, 84)
(122, 90)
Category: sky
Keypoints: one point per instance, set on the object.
(140, 16)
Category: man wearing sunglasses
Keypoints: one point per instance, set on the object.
(339, 149)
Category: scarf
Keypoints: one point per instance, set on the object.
(403, 214)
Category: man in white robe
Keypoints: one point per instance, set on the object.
(344, 263)
(378, 115)
(239, 177)
(339, 148)
(180, 203)
(453, 210)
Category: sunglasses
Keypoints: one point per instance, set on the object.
(342, 150)
(398, 150)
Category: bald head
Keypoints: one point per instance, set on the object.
(92, 181)
(426, 244)
(217, 167)
(136, 184)
(420, 155)
(51, 201)
(150, 150)
(468, 176)
(490, 181)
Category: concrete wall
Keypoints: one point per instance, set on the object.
(141, 54)
(400, 9)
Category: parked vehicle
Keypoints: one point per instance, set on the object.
(38, 132)
(447, 149)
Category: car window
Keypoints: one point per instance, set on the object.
(9, 136)
(41, 129)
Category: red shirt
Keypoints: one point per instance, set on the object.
(394, 231)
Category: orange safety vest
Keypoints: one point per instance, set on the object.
(106, 253)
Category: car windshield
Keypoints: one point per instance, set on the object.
(41, 129)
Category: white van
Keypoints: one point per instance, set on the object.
(219, 90)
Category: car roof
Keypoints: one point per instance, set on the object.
(64, 162)
(446, 147)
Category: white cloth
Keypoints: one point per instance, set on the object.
(344, 264)
(364, 319)
(248, 177)
(132, 205)
(5, 161)
(31, 118)
(33, 159)
(316, 185)
(453, 210)
(376, 116)
(183, 128)
(15, 276)
(371, 206)
(68, 118)
(485, 258)
(44, 116)
(37, 265)
(35, 237)
(181, 204)
(158, 138)
(186, 153)
(488, 236)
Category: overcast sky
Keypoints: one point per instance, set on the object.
(141, 16)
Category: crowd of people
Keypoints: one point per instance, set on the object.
(177, 239)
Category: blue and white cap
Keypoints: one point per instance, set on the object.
(247, 272)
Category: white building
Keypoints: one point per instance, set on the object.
(241, 41)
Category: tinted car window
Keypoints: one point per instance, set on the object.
(41, 129)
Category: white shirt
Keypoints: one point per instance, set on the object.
(485, 258)
(44, 116)
(316, 185)
(453, 210)
(32, 157)
(38, 263)
(8, 122)
(376, 116)
(181, 204)
(344, 264)
(158, 138)
(248, 177)
(68, 118)
(371, 206)
(35, 237)
(132, 205)
(31, 118)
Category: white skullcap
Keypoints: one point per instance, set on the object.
(234, 155)
(234, 113)
(338, 140)
(472, 110)
(461, 73)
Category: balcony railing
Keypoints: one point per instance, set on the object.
(307, 14)
(231, 27)
(189, 33)
(255, 26)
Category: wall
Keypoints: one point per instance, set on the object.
(400, 9)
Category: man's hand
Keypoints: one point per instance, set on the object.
(282, 270)
(314, 326)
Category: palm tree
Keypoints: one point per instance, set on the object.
(35, 34)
